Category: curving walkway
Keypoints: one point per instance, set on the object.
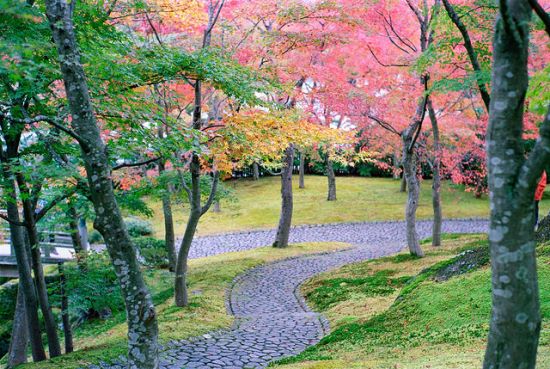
(271, 318)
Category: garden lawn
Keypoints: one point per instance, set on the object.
(384, 314)
(104, 340)
(256, 204)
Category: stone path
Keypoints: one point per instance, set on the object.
(271, 318)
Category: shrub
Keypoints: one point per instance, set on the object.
(137, 227)
(152, 251)
(93, 292)
(95, 237)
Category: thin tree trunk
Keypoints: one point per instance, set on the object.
(255, 171)
(181, 294)
(395, 165)
(302, 170)
(75, 237)
(331, 180)
(285, 219)
(67, 330)
(50, 325)
(141, 315)
(403, 186)
(217, 207)
(515, 317)
(169, 233)
(24, 270)
(409, 171)
(17, 353)
(196, 212)
(436, 185)
(83, 232)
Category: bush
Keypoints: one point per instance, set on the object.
(152, 251)
(94, 292)
(95, 237)
(137, 227)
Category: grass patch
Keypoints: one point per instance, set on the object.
(257, 204)
(431, 325)
(105, 340)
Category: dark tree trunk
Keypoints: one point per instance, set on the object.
(195, 213)
(67, 330)
(285, 219)
(395, 165)
(403, 186)
(515, 317)
(24, 269)
(41, 289)
(331, 180)
(436, 185)
(17, 352)
(302, 170)
(169, 233)
(255, 171)
(141, 315)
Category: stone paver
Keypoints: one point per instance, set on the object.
(271, 318)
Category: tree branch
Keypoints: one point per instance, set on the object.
(470, 49)
(212, 194)
(7, 219)
(53, 203)
(138, 164)
(543, 15)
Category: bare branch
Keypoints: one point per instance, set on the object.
(138, 164)
(543, 15)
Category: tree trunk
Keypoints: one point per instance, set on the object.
(409, 172)
(436, 185)
(302, 170)
(141, 315)
(331, 180)
(67, 330)
(395, 165)
(41, 289)
(217, 207)
(194, 196)
(24, 270)
(75, 237)
(403, 187)
(83, 232)
(255, 171)
(181, 295)
(17, 353)
(169, 233)
(285, 219)
(515, 317)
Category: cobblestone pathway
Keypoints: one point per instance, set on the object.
(271, 318)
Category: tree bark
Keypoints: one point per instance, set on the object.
(75, 237)
(255, 171)
(302, 170)
(83, 232)
(195, 213)
(413, 194)
(41, 289)
(515, 317)
(17, 352)
(67, 330)
(141, 315)
(24, 270)
(217, 207)
(331, 180)
(169, 233)
(285, 219)
(436, 185)
(403, 186)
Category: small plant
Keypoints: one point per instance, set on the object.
(152, 251)
(138, 227)
(95, 237)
